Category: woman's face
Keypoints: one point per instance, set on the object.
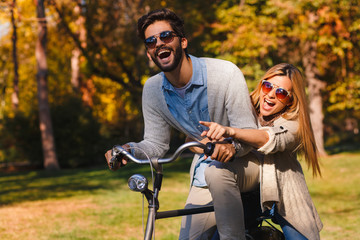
(272, 95)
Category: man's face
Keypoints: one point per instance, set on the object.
(166, 56)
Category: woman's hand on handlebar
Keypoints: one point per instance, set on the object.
(115, 164)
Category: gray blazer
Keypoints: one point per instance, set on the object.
(228, 104)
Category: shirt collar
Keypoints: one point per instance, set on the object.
(197, 78)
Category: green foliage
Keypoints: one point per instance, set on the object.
(20, 139)
(258, 34)
(76, 131)
(245, 34)
(345, 95)
(77, 136)
(343, 115)
(253, 34)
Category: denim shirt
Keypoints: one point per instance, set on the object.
(191, 108)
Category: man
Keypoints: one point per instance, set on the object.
(188, 90)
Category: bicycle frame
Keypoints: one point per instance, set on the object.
(154, 214)
(152, 196)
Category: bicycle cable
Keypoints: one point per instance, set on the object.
(152, 181)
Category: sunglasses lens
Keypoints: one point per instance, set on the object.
(266, 87)
(281, 93)
(150, 42)
(166, 37)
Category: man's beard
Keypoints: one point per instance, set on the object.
(173, 66)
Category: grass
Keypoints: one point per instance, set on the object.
(337, 196)
(96, 203)
(85, 204)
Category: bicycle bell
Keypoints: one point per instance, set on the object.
(138, 183)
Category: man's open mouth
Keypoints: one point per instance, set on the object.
(164, 53)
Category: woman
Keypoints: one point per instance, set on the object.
(285, 130)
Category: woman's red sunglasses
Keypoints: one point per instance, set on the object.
(280, 93)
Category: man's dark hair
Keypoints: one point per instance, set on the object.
(163, 14)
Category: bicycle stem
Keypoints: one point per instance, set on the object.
(152, 198)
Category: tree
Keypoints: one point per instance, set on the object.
(111, 49)
(317, 36)
(15, 94)
(324, 33)
(78, 81)
(48, 143)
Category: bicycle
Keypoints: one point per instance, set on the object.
(255, 230)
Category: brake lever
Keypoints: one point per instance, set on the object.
(112, 162)
(116, 153)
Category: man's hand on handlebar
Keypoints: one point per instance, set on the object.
(223, 152)
(115, 164)
(197, 149)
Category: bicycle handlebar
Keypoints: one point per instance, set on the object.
(119, 151)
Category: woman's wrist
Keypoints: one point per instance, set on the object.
(230, 132)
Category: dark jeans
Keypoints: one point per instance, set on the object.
(289, 231)
(252, 210)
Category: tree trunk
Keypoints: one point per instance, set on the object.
(79, 84)
(315, 86)
(76, 53)
(47, 136)
(15, 94)
(75, 69)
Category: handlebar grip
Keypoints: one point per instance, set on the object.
(210, 146)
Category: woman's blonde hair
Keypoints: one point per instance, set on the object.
(296, 110)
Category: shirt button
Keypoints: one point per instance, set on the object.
(189, 112)
(281, 127)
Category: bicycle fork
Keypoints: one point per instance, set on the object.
(152, 211)
(139, 183)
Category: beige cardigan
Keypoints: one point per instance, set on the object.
(283, 181)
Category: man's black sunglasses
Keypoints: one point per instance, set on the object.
(165, 37)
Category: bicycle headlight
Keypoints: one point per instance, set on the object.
(138, 183)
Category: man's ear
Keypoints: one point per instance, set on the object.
(184, 43)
